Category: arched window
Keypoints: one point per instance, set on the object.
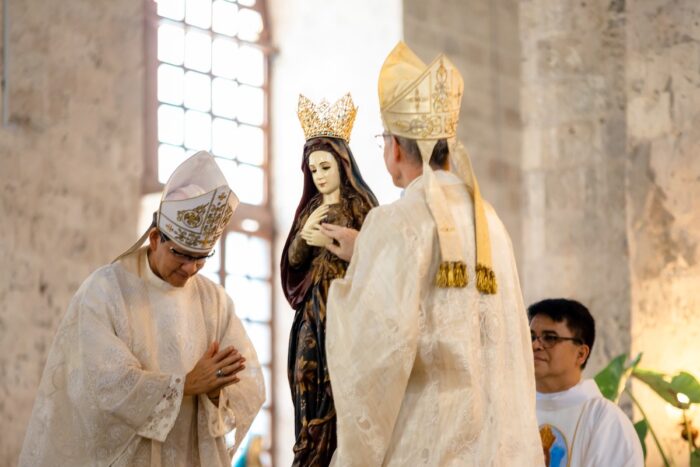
(207, 88)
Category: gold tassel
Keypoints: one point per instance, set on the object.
(486, 280)
(451, 274)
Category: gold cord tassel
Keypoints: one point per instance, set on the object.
(451, 274)
(486, 280)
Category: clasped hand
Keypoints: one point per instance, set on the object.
(311, 232)
(214, 371)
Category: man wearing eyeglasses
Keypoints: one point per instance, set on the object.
(578, 426)
(151, 366)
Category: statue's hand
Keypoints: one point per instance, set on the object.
(314, 220)
(314, 237)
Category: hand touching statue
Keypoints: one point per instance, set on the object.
(311, 232)
(342, 240)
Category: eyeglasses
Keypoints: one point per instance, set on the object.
(381, 139)
(550, 340)
(185, 258)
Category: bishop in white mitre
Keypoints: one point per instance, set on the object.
(150, 365)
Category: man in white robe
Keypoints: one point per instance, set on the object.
(427, 344)
(150, 365)
(578, 426)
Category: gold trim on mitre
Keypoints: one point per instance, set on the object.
(197, 223)
(196, 206)
(418, 101)
(323, 119)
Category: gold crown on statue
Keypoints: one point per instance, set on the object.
(323, 119)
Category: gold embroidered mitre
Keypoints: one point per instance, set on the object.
(418, 101)
(323, 119)
(197, 204)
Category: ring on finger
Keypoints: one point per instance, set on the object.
(219, 373)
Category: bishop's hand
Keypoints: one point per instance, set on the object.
(311, 232)
(343, 242)
(214, 371)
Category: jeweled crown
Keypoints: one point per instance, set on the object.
(323, 119)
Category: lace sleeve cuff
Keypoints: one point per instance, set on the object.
(220, 420)
(161, 420)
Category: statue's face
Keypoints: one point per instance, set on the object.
(324, 171)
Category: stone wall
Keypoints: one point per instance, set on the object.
(663, 192)
(70, 163)
(574, 107)
(610, 94)
(482, 38)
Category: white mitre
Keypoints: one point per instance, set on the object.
(196, 206)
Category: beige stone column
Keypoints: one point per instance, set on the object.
(573, 162)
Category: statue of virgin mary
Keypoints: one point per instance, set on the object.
(334, 192)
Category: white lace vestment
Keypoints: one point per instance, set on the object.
(426, 376)
(112, 389)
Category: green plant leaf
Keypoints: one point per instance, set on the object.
(657, 382)
(687, 384)
(633, 364)
(642, 427)
(608, 379)
(695, 458)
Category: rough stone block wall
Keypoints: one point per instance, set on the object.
(574, 107)
(663, 193)
(70, 165)
(482, 38)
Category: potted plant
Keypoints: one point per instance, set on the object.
(681, 390)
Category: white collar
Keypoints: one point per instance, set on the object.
(444, 177)
(584, 390)
(153, 280)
